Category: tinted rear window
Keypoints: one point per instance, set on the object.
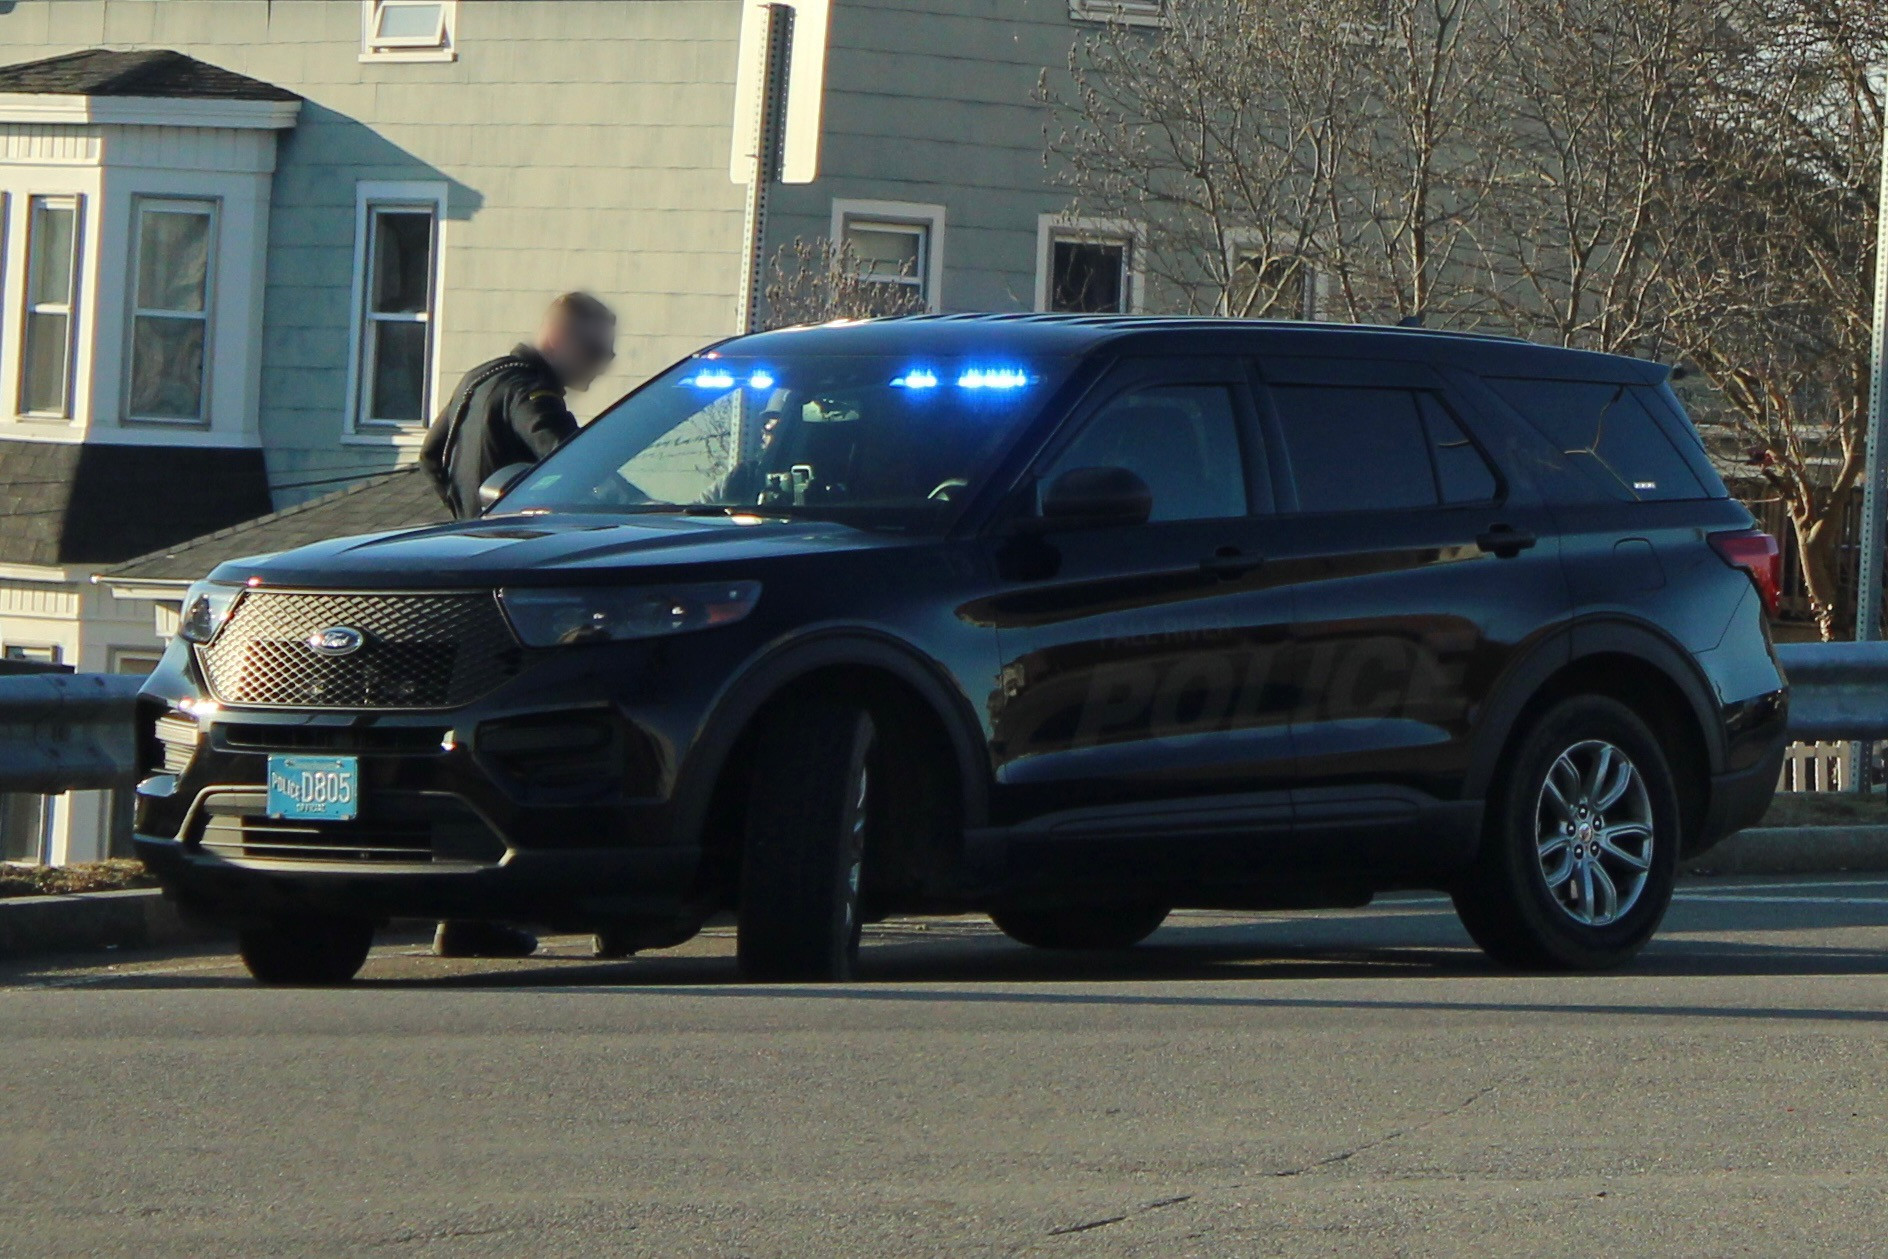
(1607, 431)
(1356, 449)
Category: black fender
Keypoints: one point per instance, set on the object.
(1603, 634)
(781, 664)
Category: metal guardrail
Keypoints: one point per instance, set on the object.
(67, 731)
(64, 732)
(1837, 690)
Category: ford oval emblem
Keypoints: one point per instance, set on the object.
(336, 640)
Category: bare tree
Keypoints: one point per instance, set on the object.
(1594, 99)
(1422, 148)
(1769, 249)
(1215, 135)
(1685, 179)
(817, 281)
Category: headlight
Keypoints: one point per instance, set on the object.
(206, 606)
(550, 618)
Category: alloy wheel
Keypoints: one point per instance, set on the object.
(1594, 833)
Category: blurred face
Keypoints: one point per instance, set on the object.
(579, 350)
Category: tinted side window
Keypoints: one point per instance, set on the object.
(1183, 440)
(1355, 449)
(1462, 472)
(1668, 411)
(1602, 427)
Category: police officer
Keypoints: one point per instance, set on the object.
(511, 410)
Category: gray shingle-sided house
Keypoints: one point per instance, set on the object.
(246, 246)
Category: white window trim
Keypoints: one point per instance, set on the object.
(75, 301)
(407, 48)
(1239, 243)
(902, 214)
(370, 195)
(1127, 12)
(1051, 228)
(139, 203)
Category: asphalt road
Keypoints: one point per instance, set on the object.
(1310, 1084)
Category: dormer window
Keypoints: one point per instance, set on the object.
(52, 269)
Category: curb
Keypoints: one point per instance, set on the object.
(1798, 850)
(73, 922)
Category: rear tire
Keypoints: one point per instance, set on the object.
(306, 952)
(1580, 843)
(803, 861)
(1092, 927)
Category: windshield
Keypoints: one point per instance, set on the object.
(867, 440)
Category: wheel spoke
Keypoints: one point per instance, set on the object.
(1586, 894)
(1598, 771)
(1552, 792)
(1560, 871)
(1612, 791)
(1607, 908)
(1609, 844)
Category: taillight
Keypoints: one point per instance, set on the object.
(1757, 553)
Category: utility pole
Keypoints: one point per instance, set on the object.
(1868, 627)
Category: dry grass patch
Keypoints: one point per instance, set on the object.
(97, 876)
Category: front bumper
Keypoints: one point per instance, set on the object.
(463, 813)
(574, 891)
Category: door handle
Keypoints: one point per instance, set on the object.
(1230, 562)
(1505, 540)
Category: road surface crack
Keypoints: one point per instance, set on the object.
(1329, 1160)
(1343, 1156)
(1143, 1209)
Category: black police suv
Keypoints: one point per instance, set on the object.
(1071, 620)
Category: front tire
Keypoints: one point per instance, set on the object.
(1090, 927)
(306, 952)
(803, 862)
(1580, 844)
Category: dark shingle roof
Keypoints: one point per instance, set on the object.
(395, 501)
(92, 503)
(141, 72)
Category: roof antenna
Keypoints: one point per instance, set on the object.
(1411, 321)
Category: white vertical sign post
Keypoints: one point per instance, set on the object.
(769, 136)
(1868, 627)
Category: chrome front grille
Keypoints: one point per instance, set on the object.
(416, 650)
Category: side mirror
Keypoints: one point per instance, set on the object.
(495, 485)
(1091, 498)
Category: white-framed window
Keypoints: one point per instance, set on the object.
(46, 315)
(894, 242)
(136, 661)
(1088, 266)
(396, 297)
(1132, 12)
(171, 291)
(31, 653)
(409, 30)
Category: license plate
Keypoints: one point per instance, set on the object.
(315, 788)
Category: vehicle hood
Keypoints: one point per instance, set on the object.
(544, 551)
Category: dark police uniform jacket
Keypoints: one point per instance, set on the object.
(510, 410)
